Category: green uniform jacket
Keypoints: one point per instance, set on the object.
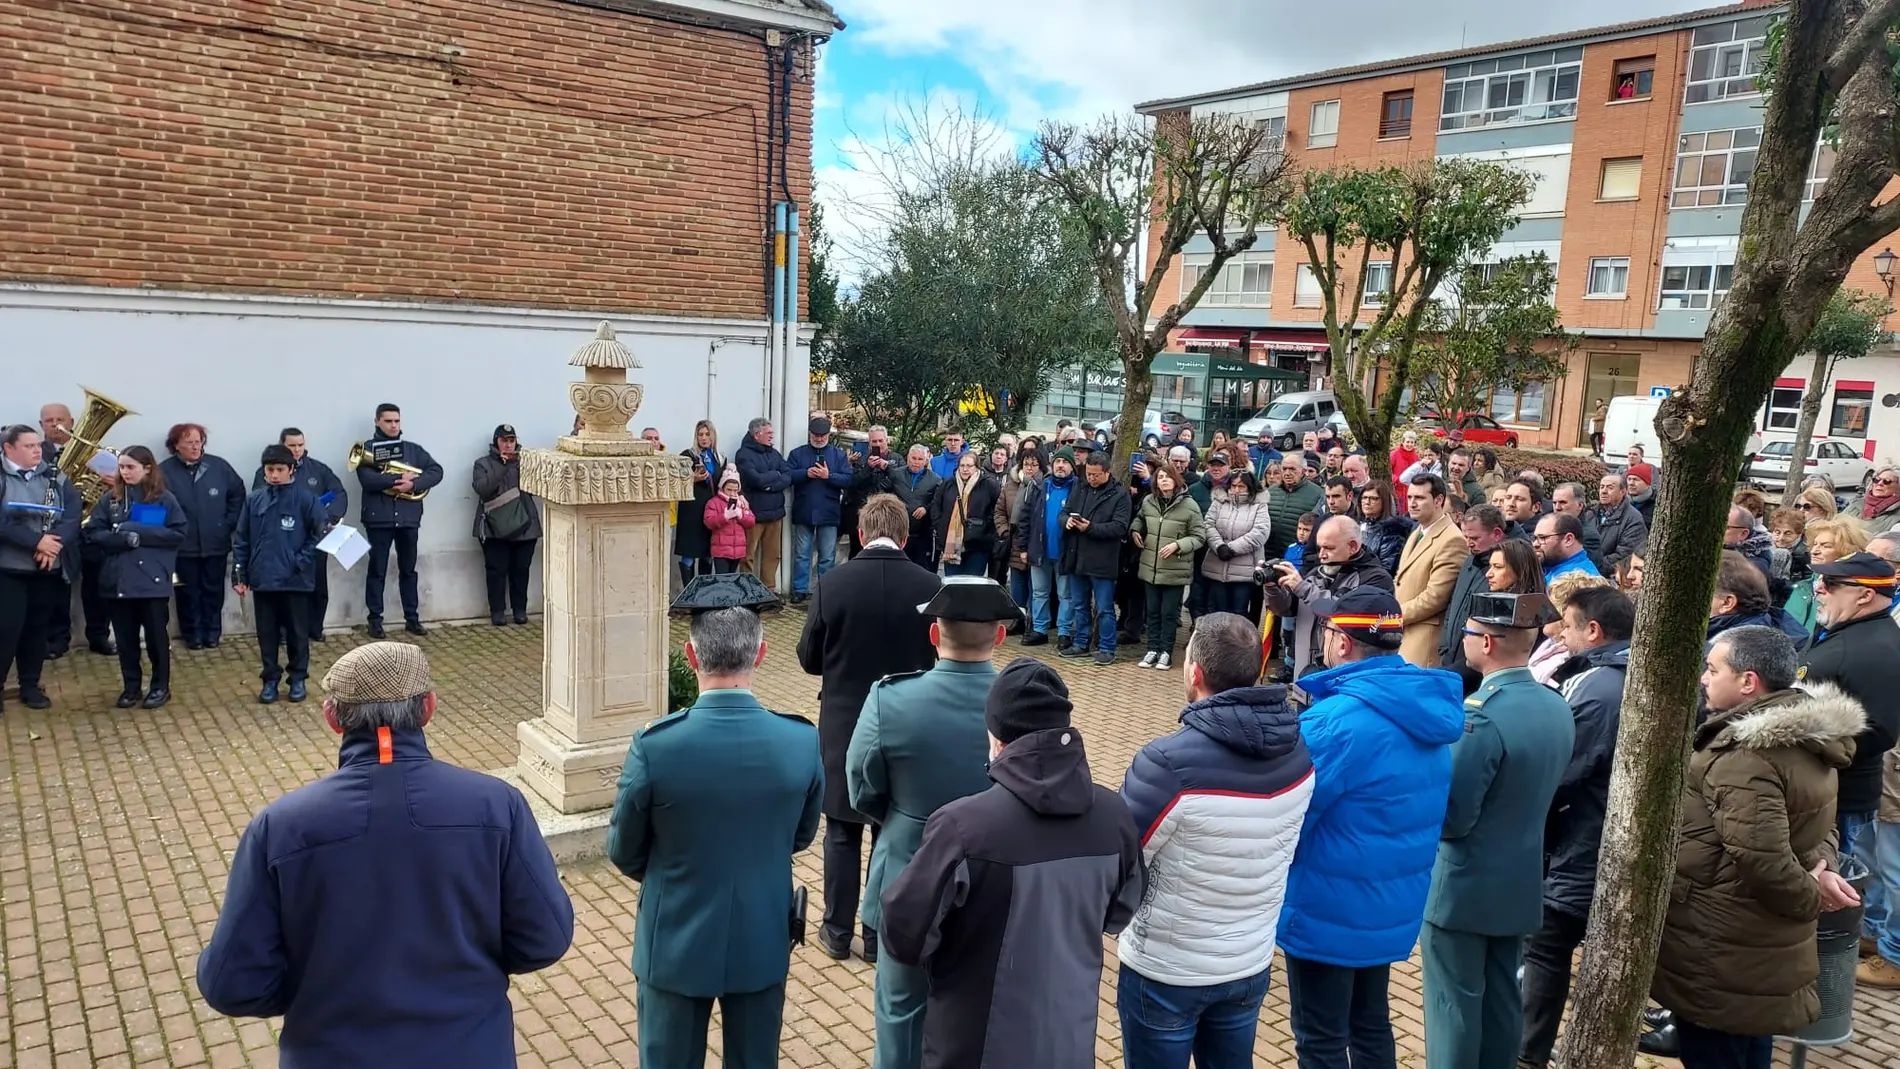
(920, 742)
(1489, 879)
(1179, 521)
(1285, 507)
(714, 801)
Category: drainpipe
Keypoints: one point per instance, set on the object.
(790, 349)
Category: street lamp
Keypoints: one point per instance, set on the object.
(1883, 267)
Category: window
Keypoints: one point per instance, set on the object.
(1523, 88)
(1395, 114)
(1622, 179)
(1821, 169)
(1324, 131)
(1633, 78)
(1609, 277)
(1784, 411)
(1851, 411)
(1246, 280)
(1712, 169)
(1525, 406)
(1272, 142)
(1305, 288)
(1697, 287)
(1724, 60)
(1378, 282)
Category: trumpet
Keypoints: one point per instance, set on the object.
(360, 455)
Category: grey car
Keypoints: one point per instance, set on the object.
(1292, 415)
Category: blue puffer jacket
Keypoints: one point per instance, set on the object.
(815, 503)
(1380, 732)
(763, 479)
(276, 545)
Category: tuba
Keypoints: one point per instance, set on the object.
(361, 455)
(88, 438)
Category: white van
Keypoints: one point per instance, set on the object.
(1631, 421)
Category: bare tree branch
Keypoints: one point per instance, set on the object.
(1872, 26)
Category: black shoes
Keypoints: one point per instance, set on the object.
(415, 627)
(35, 698)
(1063, 642)
(1035, 638)
(835, 949)
(376, 630)
(1073, 650)
(54, 655)
(1662, 1040)
(498, 619)
(127, 698)
(157, 696)
(521, 618)
(298, 690)
(103, 649)
(268, 695)
(194, 644)
(869, 953)
(317, 636)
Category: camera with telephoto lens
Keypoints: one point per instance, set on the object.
(1264, 572)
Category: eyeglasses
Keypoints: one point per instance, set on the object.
(1886, 481)
(1803, 506)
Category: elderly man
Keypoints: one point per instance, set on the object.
(1559, 546)
(56, 429)
(1095, 520)
(39, 556)
(438, 874)
(915, 486)
(713, 802)
(862, 626)
(1428, 569)
(820, 472)
(1621, 530)
(1343, 565)
(763, 479)
(1355, 469)
(874, 472)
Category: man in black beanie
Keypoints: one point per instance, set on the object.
(1032, 871)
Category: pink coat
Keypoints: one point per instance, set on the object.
(728, 535)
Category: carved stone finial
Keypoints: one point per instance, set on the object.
(604, 399)
(605, 351)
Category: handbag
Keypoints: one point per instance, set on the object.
(508, 514)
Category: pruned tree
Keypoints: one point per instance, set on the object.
(1493, 326)
(1849, 327)
(1424, 220)
(1130, 182)
(1829, 58)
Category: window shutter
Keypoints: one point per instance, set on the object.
(1621, 178)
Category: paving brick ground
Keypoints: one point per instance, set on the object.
(116, 828)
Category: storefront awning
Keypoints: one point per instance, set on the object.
(1231, 339)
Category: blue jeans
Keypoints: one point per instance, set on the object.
(1880, 851)
(802, 579)
(1705, 1048)
(1094, 605)
(1163, 1024)
(1334, 1009)
(1019, 591)
(1045, 585)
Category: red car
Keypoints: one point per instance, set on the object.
(1478, 429)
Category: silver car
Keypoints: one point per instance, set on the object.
(1291, 415)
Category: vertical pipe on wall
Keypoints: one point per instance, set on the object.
(791, 310)
(774, 356)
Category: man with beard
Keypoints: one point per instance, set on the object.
(1483, 529)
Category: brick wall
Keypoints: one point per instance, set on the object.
(566, 156)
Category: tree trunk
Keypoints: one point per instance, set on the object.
(1804, 430)
(1138, 386)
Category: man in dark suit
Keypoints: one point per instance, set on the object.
(709, 829)
(862, 625)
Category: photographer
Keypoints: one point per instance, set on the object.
(1343, 565)
(873, 471)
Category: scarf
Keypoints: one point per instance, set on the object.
(953, 539)
(1876, 502)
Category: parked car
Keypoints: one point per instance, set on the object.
(1157, 426)
(1838, 460)
(1292, 415)
(1478, 429)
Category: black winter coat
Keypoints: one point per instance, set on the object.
(862, 625)
(1592, 682)
(143, 570)
(1862, 657)
(379, 508)
(315, 476)
(762, 479)
(1622, 531)
(212, 495)
(1451, 638)
(917, 490)
(1384, 539)
(1097, 552)
(492, 477)
(690, 537)
(276, 545)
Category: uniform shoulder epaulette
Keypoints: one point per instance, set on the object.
(895, 676)
(805, 720)
(670, 718)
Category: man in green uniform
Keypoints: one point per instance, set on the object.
(1487, 886)
(921, 742)
(714, 801)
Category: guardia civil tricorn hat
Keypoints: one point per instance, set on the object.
(973, 599)
(733, 590)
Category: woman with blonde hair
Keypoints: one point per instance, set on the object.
(1816, 503)
(1551, 652)
(692, 539)
(1835, 538)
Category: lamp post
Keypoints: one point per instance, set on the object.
(1883, 268)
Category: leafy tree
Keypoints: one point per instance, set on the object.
(821, 280)
(1424, 219)
(1494, 327)
(1829, 61)
(1849, 327)
(1132, 184)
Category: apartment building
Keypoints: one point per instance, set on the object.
(1642, 136)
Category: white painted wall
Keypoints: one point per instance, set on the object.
(1882, 368)
(246, 367)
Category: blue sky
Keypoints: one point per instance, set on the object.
(1016, 62)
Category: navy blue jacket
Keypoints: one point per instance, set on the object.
(21, 531)
(1592, 682)
(763, 479)
(277, 535)
(315, 476)
(379, 508)
(381, 910)
(135, 567)
(212, 494)
(814, 503)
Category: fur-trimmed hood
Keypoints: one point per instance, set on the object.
(1815, 716)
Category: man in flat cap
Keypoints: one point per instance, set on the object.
(381, 909)
(861, 626)
(713, 802)
(1011, 891)
(1487, 888)
(921, 743)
